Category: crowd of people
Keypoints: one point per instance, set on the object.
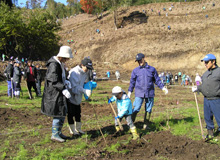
(62, 95)
(31, 75)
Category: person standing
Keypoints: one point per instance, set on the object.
(55, 92)
(3, 57)
(117, 74)
(77, 77)
(183, 80)
(143, 79)
(9, 75)
(108, 74)
(38, 79)
(210, 88)
(30, 74)
(176, 78)
(17, 79)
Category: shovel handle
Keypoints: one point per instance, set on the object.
(120, 126)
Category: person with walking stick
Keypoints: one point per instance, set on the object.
(124, 107)
(210, 88)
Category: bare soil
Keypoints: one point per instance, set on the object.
(154, 145)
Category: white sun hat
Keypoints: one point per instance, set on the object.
(116, 90)
(65, 52)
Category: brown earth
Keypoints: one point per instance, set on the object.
(20, 123)
(191, 37)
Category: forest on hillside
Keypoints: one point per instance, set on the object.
(31, 31)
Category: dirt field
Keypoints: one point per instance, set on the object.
(20, 125)
(191, 37)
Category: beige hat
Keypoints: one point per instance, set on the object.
(116, 90)
(66, 52)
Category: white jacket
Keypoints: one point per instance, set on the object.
(77, 78)
(198, 78)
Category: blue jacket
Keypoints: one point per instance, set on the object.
(143, 79)
(124, 105)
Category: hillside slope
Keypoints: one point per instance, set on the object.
(192, 36)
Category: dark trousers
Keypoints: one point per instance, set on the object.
(31, 84)
(73, 111)
(211, 107)
(38, 85)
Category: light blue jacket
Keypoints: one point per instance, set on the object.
(124, 105)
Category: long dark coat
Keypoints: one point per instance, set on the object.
(53, 102)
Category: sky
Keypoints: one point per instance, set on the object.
(24, 1)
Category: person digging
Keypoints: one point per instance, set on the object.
(124, 107)
(142, 79)
(210, 88)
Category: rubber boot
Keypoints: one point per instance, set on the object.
(117, 128)
(55, 134)
(61, 134)
(134, 133)
(146, 121)
(78, 127)
(73, 130)
(133, 116)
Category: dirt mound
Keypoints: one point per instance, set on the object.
(192, 35)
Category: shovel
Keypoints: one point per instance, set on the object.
(199, 116)
(120, 126)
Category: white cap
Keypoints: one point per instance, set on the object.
(116, 90)
(65, 52)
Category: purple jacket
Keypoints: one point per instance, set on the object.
(143, 79)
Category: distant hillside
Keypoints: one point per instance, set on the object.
(192, 35)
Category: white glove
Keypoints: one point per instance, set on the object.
(194, 89)
(165, 90)
(87, 92)
(66, 93)
(67, 84)
(11, 79)
(129, 94)
(22, 73)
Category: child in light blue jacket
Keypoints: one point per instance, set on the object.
(124, 107)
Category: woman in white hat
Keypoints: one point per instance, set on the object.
(56, 92)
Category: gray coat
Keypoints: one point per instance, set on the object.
(210, 86)
(17, 75)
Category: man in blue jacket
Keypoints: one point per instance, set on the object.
(143, 79)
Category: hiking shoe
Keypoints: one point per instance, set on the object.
(208, 137)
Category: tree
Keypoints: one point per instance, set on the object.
(88, 5)
(28, 33)
(8, 2)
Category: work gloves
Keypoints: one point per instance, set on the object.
(66, 93)
(129, 94)
(87, 92)
(117, 117)
(67, 84)
(194, 89)
(109, 101)
(165, 90)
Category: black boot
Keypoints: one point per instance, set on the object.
(133, 117)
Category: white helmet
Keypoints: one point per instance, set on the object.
(116, 90)
(65, 52)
